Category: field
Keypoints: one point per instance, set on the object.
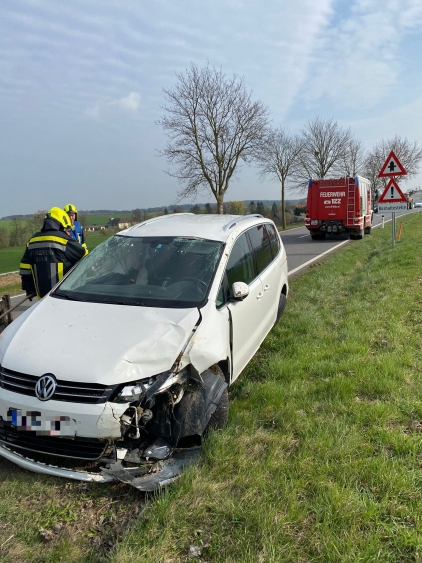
(10, 257)
(320, 460)
(101, 220)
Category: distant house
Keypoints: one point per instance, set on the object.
(113, 223)
(126, 222)
(92, 228)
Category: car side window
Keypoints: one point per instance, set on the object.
(239, 267)
(261, 246)
(274, 240)
(240, 264)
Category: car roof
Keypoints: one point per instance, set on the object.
(207, 226)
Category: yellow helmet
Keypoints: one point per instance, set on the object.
(60, 216)
(69, 208)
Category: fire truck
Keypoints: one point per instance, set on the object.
(339, 206)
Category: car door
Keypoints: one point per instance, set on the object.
(245, 315)
(266, 268)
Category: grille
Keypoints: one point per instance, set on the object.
(78, 448)
(68, 391)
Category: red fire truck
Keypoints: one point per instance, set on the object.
(339, 206)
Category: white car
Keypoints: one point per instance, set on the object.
(418, 204)
(118, 373)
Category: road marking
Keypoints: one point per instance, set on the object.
(303, 236)
(317, 257)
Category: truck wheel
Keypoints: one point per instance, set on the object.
(367, 230)
(281, 306)
(360, 234)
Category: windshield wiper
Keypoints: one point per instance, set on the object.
(65, 296)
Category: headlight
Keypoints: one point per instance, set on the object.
(133, 391)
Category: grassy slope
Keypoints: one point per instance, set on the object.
(320, 460)
(321, 457)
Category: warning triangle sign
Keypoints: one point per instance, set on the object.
(392, 193)
(392, 167)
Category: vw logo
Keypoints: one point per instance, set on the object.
(45, 387)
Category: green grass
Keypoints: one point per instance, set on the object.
(10, 257)
(320, 460)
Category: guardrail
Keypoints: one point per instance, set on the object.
(5, 311)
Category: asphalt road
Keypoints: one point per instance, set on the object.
(301, 249)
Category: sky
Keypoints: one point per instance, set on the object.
(81, 87)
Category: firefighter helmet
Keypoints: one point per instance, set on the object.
(69, 208)
(61, 216)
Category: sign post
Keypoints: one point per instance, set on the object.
(392, 198)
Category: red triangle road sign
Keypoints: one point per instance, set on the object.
(392, 193)
(392, 167)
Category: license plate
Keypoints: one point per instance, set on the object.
(41, 424)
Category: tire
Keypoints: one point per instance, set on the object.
(281, 306)
(220, 416)
(367, 230)
(358, 236)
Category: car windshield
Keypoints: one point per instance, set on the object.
(147, 271)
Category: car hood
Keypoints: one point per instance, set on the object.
(95, 343)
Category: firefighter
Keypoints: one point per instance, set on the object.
(49, 254)
(77, 231)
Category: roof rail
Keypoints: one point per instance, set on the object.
(233, 222)
(159, 218)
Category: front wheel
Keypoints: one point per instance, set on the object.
(220, 416)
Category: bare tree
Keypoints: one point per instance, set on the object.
(212, 123)
(409, 154)
(277, 159)
(353, 160)
(325, 147)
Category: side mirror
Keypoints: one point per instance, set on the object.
(240, 291)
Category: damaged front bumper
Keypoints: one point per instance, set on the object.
(146, 443)
(159, 475)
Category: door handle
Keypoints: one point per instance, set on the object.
(266, 288)
(260, 294)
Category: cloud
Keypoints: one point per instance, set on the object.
(359, 61)
(102, 109)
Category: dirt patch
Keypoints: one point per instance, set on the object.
(9, 279)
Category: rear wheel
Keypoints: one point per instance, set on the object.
(281, 306)
(358, 235)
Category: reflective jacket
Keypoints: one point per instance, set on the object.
(49, 255)
(77, 233)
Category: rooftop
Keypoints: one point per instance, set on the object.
(211, 227)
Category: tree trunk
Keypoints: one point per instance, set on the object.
(220, 208)
(283, 211)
